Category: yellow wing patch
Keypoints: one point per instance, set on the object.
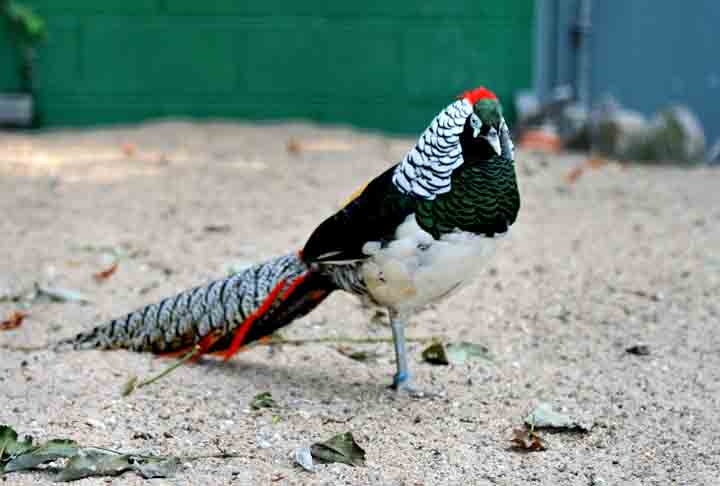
(355, 194)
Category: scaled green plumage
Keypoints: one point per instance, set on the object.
(484, 200)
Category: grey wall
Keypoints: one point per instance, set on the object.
(646, 53)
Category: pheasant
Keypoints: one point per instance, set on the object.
(412, 236)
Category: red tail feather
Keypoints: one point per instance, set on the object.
(244, 328)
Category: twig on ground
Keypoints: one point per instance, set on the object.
(25, 349)
(338, 339)
(133, 384)
(199, 457)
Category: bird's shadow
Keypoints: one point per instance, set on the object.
(315, 382)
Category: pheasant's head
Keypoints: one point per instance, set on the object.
(485, 128)
(469, 130)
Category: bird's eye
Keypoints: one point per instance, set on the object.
(475, 121)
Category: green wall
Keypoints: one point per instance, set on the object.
(388, 65)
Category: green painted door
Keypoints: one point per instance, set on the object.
(384, 65)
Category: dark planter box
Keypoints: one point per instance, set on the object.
(16, 109)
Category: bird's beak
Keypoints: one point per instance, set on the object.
(476, 132)
(493, 138)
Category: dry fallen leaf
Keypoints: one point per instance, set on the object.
(574, 174)
(597, 162)
(540, 141)
(295, 146)
(41, 454)
(128, 149)
(103, 275)
(14, 321)
(81, 462)
(593, 163)
(93, 461)
(11, 446)
(527, 440)
(340, 448)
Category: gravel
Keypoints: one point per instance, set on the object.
(625, 256)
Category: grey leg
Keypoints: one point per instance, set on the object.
(401, 380)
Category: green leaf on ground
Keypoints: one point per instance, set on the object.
(459, 353)
(10, 446)
(543, 416)
(340, 448)
(92, 461)
(47, 452)
(157, 467)
(454, 353)
(262, 400)
(82, 462)
(435, 354)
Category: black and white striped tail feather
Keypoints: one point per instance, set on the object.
(179, 322)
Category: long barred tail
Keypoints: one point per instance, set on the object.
(221, 316)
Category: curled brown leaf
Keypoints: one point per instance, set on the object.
(593, 163)
(14, 321)
(527, 440)
(103, 275)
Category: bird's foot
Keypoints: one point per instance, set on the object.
(402, 384)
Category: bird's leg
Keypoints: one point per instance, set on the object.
(401, 380)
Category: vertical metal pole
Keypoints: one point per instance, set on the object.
(581, 34)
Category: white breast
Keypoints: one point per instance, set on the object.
(415, 269)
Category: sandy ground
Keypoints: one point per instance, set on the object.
(624, 256)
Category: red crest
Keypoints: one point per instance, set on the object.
(477, 94)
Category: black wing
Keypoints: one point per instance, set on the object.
(372, 216)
